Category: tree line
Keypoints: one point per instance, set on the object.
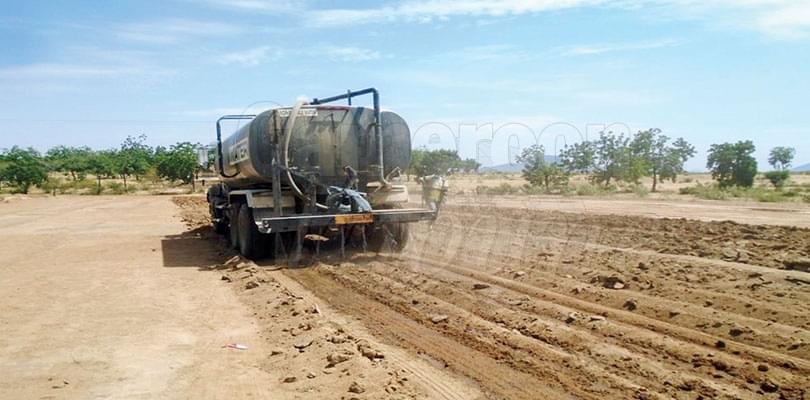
(611, 158)
(439, 162)
(616, 158)
(26, 167)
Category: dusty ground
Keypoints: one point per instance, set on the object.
(114, 297)
(535, 304)
(468, 182)
(748, 212)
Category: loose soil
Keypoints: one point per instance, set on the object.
(493, 300)
(531, 304)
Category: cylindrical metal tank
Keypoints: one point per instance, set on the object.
(323, 140)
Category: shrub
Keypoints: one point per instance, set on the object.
(733, 164)
(95, 190)
(761, 194)
(533, 190)
(640, 190)
(78, 186)
(23, 168)
(503, 188)
(590, 189)
(777, 178)
(708, 192)
(51, 185)
(116, 187)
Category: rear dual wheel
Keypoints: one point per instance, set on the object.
(251, 243)
(389, 237)
(233, 230)
(220, 226)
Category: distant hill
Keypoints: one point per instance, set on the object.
(802, 168)
(513, 167)
(507, 168)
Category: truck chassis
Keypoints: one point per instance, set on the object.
(262, 222)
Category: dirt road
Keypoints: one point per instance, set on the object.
(110, 297)
(748, 212)
(89, 310)
(488, 302)
(536, 304)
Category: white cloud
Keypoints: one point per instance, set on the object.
(784, 19)
(214, 113)
(346, 53)
(252, 57)
(85, 68)
(779, 19)
(489, 53)
(426, 11)
(790, 21)
(174, 30)
(613, 47)
(41, 71)
(263, 54)
(258, 5)
(774, 18)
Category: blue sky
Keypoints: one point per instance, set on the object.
(486, 77)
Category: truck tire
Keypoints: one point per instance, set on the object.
(393, 237)
(233, 230)
(215, 198)
(220, 227)
(252, 243)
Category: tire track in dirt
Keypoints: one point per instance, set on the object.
(770, 246)
(638, 338)
(436, 387)
(520, 320)
(661, 327)
(523, 353)
(744, 380)
(657, 303)
(527, 308)
(499, 380)
(529, 333)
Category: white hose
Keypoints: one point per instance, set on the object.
(287, 135)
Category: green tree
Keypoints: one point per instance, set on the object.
(179, 162)
(433, 162)
(469, 165)
(538, 171)
(3, 164)
(102, 164)
(778, 178)
(212, 157)
(23, 168)
(134, 158)
(417, 157)
(657, 157)
(732, 164)
(613, 160)
(634, 157)
(69, 160)
(578, 158)
(781, 157)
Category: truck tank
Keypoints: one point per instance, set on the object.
(322, 141)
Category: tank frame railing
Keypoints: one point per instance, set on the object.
(219, 140)
(377, 121)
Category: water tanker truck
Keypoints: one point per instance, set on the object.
(315, 171)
